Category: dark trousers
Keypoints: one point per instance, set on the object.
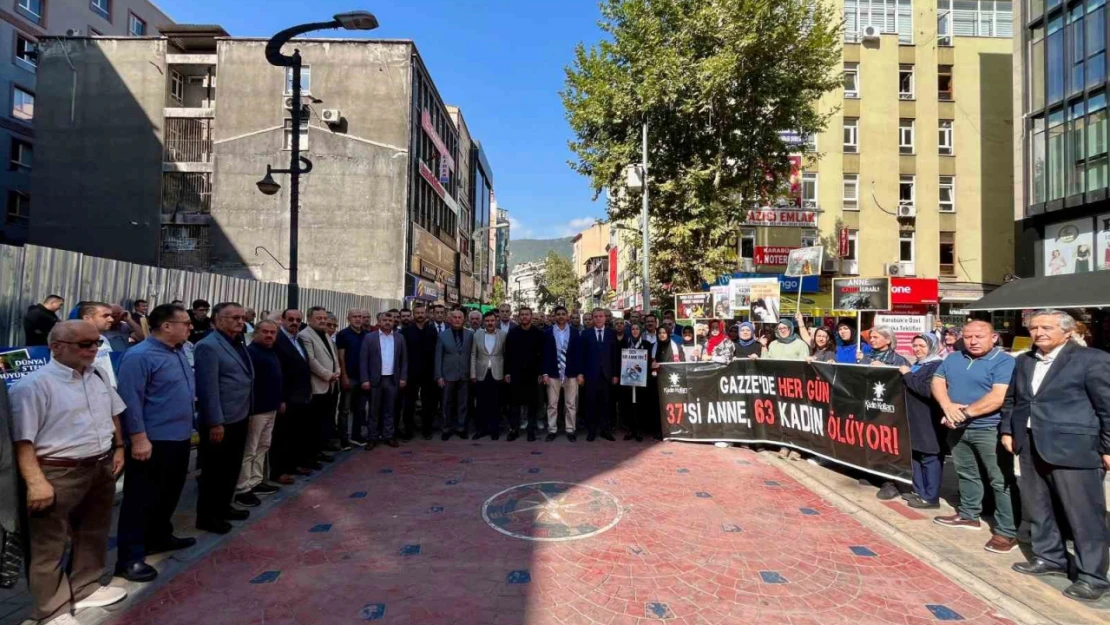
(151, 491)
(285, 449)
(220, 472)
(1082, 500)
(455, 405)
(598, 406)
(383, 403)
(323, 408)
(634, 414)
(352, 413)
(488, 418)
(976, 451)
(428, 392)
(524, 403)
(928, 470)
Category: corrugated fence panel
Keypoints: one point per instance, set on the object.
(28, 274)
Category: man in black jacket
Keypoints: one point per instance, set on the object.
(522, 371)
(288, 451)
(1056, 417)
(40, 319)
(420, 341)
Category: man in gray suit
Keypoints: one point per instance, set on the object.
(225, 382)
(453, 373)
(385, 371)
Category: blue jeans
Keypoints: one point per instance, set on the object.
(928, 471)
(981, 450)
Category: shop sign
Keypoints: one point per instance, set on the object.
(432, 251)
(430, 129)
(427, 291)
(844, 243)
(430, 178)
(772, 255)
(914, 291)
(613, 268)
(785, 218)
(467, 286)
(905, 327)
(452, 295)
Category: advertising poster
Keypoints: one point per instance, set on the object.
(722, 308)
(1069, 248)
(852, 415)
(16, 362)
(693, 305)
(634, 367)
(905, 327)
(805, 261)
(861, 293)
(765, 302)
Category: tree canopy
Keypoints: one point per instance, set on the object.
(717, 81)
(558, 285)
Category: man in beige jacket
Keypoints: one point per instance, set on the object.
(323, 362)
(487, 372)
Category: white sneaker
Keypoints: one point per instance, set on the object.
(64, 619)
(105, 595)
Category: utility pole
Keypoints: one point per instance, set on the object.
(644, 219)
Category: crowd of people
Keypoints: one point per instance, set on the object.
(273, 397)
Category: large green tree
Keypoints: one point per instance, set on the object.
(716, 81)
(558, 285)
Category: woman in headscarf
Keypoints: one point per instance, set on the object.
(927, 435)
(787, 345)
(824, 349)
(747, 343)
(953, 340)
(665, 351)
(883, 346)
(718, 348)
(633, 414)
(691, 351)
(846, 351)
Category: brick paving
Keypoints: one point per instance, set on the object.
(436, 533)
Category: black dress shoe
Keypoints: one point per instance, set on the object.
(248, 500)
(370, 445)
(325, 457)
(446, 436)
(173, 543)
(887, 492)
(216, 527)
(629, 436)
(531, 437)
(1039, 568)
(915, 501)
(393, 443)
(591, 437)
(513, 435)
(571, 437)
(1085, 592)
(234, 514)
(495, 436)
(607, 436)
(137, 572)
(462, 435)
(265, 489)
(478, 435)
(550, 437)
(428, 436)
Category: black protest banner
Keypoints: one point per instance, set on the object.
(849, 414)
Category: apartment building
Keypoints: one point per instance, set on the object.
(23, 23)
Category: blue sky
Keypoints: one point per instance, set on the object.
(501, 61)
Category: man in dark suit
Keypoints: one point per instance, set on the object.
(523, 352)
(384, 363)
(225, 385)
(1056, 417)
(452, 371)
(288, 454)
(420, 343)
(599, 373)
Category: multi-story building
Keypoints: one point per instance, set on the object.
(380, 212)
(24, 23)
(524, 283)
(502, 245)
(590, 244)
(485, 239)
(913, 175)
(1062, 210)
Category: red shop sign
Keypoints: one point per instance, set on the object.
(914, 291)
(772, 255)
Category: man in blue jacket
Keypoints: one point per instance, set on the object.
(225, 384)
(562, 365)
(600, 355)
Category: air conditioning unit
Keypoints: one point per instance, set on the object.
(892, 269)
(870, 33)
(331, 116)
(830, 265)
(907, 269)
(907, 210)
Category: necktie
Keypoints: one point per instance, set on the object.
(562, 353)
(458, 340)
(599, 336)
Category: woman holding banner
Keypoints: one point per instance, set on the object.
(847, 353)
(665, 351)
(824, 350)
(718, 349)
(787, 345)
(748, 344)
(927, 435)
(636, 409)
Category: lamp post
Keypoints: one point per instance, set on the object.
(355, 20)
(638, 180)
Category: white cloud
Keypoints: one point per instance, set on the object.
(521, 230)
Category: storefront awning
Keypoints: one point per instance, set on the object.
(1080, 290)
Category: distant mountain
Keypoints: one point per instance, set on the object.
(530, 250)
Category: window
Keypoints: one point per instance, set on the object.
(747, 243)
(19, 208)
(1096, 143)
(1036, 65)
(306, 80)
(947, 253)
(905, 136)
(177, 86)
(983, 18)
(944, 140)
(103, 8)
(30, 9)
(22, 155)
(810, 238)
(1038, 166)
(853, 244)
(945, 85)
(851, 135)
(944, 22)
(23, 104)
(809, 190)
(809, 144)
(947, 194)
(1095, 42)
(851, 80)
(905, 247)
(1055, 58)
(26, 53)
(851, 192)
(288, 139)
(1076, 149)
(888, 16)
(906, 191)
(1056, 154)
(905, 82)
(1074, 36)
(136, 27)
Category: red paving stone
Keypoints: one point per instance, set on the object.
(416, 548)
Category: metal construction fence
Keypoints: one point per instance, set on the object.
(28, 274)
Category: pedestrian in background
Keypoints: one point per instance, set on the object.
(99, 315)
(40, 319)
(158, 387)
(267, 405)
(69, 446)
(202, 323)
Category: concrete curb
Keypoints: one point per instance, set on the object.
(1011, 607)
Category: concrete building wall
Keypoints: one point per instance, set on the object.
(353, 215)
(97, 177)
(588, 244)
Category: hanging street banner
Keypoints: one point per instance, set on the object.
(852, 415)
(693, 305)
(861, 293)
(805, 261)
(634, 367)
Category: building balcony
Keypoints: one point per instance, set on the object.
(186, 198)
(187, 144)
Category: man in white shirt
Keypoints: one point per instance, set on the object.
(100, 315)
(384, 364)
(439, 318)
(69, 446)
(561, 365)
(505, 317)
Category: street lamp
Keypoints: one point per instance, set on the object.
(638, 180)
(355, 20)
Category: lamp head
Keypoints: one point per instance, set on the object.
(357, 20)
(268, 185)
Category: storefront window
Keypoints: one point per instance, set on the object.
(1096, 142)
(1037, 193)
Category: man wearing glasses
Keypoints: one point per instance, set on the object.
(69, 447)
(225, 383)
